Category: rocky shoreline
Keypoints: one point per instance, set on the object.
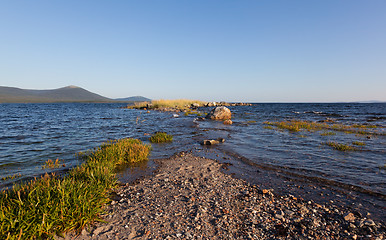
(189, 197)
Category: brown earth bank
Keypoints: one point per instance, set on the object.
(189, 197)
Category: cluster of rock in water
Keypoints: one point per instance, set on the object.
(219, 113)
(190, 198)
(217, 104)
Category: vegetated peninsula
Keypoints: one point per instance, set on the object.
(65, 94)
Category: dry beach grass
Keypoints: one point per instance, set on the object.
(177, 104)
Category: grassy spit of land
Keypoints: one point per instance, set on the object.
(178, 104)
(54, 205)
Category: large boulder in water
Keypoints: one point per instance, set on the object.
(220, 113)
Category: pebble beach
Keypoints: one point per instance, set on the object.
(189, 197)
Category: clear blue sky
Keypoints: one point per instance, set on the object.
(256, 51)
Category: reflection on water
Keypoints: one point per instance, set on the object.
(131, 172)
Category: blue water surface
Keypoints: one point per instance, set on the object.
(30, 134)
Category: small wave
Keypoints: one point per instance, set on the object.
(313, 112)
(8, 164)
(374, 119)
(37, 150)
(332, 115)
(17, 137)
(324, 114)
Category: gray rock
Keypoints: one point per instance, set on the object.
(349, 217)
(211, 104)
(195, 105)
(369, 222)
(279, 216)
(220, 113)
(210, 142)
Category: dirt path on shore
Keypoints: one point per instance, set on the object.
(190, 198)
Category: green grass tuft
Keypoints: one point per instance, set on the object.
(327, 134)
(251, 121)
(17, 175)
(53, 205)
(51, 164)
(298, 125)
(190, 112)
(357, 143)
(341, 147)
(161, 137)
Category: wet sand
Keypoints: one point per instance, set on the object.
(190, 197)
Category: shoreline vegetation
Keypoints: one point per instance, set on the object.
(53, 205)
(179, 105)
(161, 137)
(329, 128)
(299, 125)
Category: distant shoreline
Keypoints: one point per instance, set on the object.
(60, 95)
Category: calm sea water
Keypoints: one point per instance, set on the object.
(30, 134)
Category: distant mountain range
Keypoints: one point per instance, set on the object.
(133, 99)
(66, 94)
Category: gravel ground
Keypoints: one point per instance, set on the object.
(190, 198)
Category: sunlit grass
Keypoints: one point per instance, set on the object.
(190, 112)
(161, 137)
(357, 143)
(341, 146)
(53, 164)
(139, 105)
(298, 125)
(17, 175)
(52, 205)
(179, 104)
(327, 134)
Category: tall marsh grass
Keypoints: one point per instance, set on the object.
(53, 205)
(180, 104)
(161, 137)
(298, 125)
(341, 146)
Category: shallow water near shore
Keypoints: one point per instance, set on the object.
(30, 134)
